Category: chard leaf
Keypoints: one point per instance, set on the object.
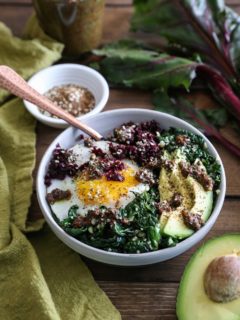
(217, 116)
(183, 109)
(206, 28)
(165, 103)
(132, 66)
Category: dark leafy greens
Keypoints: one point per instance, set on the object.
(207, 28)
(128, 64)
(181, 107)
(141, 233)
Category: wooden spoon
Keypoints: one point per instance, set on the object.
(14, 83)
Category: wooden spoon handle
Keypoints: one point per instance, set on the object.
(14, 83)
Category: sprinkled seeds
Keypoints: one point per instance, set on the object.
(72, 98)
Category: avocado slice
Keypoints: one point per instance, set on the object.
(203, 202)
(195, 199)
(192, 301)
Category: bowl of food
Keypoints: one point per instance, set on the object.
(77, 89)
(148, 192)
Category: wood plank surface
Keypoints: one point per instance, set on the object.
(145, 292)
(149, 301)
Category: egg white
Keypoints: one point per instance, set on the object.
(81, 154)
(61, 208)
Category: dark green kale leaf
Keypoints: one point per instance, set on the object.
(66, 224)
(144, 219)
(168, 242)
(72, 214)
(135, 229)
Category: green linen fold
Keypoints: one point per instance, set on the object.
(40, 278)
(29, 55)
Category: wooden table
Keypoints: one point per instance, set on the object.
(144, 292)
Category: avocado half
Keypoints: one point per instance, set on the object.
(192, 301)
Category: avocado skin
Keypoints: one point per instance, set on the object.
(192, 301)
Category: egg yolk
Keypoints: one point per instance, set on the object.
(102, 191)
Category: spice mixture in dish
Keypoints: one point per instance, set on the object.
(140, 190)
(72, 98)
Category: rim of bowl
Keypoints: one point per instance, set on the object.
(92, 72)
(193, 238)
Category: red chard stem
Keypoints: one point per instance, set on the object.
(221, 88)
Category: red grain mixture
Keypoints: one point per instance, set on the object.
(72, 98)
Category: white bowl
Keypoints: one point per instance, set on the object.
(69, 73)
(104, 123)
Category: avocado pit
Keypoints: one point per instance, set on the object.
(222, 278)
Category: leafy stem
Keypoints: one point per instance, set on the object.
(220, 57)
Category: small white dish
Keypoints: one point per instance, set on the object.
(104, 123)
(69, 73)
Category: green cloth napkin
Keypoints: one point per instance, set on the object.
(40, 278)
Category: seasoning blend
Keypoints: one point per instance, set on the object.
(72, 98)
(76, 23)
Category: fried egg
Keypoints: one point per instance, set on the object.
(90, 194)
(81, 154)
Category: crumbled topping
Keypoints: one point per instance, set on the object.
(176, 200)
(168, 206)
(198, 173)
(185, 169)
(102, 164)
(94, 217)
(164, 206)
(182, 139)
(192, 220)
(153, 163)
(146, 176)
(57, 195)
(167, 164)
